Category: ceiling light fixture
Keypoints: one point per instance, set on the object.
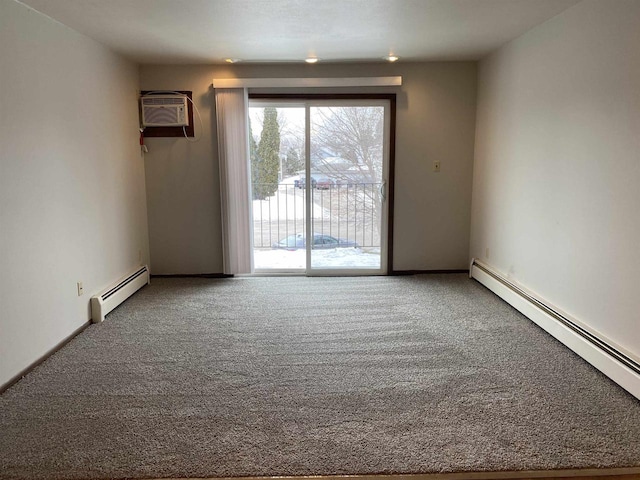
(231, 60)
(391, 58)
(311, 60)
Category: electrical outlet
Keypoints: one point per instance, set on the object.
(436, 166)
(80, 289)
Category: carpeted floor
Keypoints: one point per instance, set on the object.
(297, 376)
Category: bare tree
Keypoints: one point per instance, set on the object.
(355, 135)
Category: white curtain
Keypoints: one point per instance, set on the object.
(233, 154)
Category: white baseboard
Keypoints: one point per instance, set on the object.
(117, 293)
(613, 368)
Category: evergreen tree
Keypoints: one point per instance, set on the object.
(268, 153)
(255, 161)
(293, 163)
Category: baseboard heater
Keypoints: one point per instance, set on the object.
(603, 354)
(114, 295)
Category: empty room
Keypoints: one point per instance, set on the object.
(338, 239)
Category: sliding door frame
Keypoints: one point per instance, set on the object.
(391, 98)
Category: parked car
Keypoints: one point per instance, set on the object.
(320, 241)
(319, 182)
(324, 183)
(302, 182)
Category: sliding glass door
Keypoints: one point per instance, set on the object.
(319, 173)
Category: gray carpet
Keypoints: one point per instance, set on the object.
(298, 376)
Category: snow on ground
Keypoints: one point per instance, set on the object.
(284, 206)
(288, 182)
(330, 258)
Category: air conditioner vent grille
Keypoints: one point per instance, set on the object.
(162, 116)
(164, 111)
(162, 100)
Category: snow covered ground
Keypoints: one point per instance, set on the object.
(286, 205)
(330, 258)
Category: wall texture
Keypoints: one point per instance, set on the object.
(72, 194)
(435, 121)
(557, 165)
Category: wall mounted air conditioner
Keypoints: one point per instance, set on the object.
(164, 111)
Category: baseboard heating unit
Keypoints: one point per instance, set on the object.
(619, 365)
(117, 293)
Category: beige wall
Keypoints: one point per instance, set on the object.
(72, 201)
(435, 121)
(557, 167)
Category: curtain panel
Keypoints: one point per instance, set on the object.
(233, 155)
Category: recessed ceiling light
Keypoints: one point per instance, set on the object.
(231, 60)
(391, 58)
(311, 60)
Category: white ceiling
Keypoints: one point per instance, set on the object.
(208, 31)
